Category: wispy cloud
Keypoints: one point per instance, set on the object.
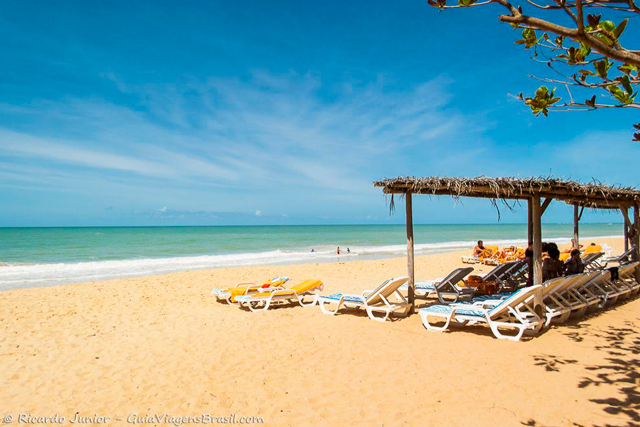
(281, 134)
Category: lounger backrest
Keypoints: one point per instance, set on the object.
(306, 286)
(627, 269)
(600, 277)
(499, 271)
(452, 278)
(625, 254)
(517, 298)
(582, 279)
(386, 289)
(514, 270)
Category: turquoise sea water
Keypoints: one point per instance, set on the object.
(43, 256)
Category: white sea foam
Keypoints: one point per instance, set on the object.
(33, 275)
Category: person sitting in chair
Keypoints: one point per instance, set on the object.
(552, 267)
(480, 250)
(574, 264)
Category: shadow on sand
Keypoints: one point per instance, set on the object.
(621, 369)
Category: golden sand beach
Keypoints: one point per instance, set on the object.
(162, 345)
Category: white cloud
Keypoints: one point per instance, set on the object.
(274, 136)
(162, 209)
(258, 213)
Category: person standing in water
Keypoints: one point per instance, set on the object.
(338, 251)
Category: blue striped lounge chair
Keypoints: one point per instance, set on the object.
(516, 312)
(386, 299)
(446, 289)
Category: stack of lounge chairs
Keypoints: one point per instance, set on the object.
(534, 307)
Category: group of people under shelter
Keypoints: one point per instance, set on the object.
(553, 263)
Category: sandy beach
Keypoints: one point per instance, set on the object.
(162, 345)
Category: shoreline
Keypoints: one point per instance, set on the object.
(320, 258)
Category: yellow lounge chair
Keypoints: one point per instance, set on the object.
(229, 294)
(302, 293)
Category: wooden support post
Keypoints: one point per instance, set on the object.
(628, 228)
(576, 232)
(636, 237)
(537, 240)
(529, 224)
(626, 236)
(545, 205)
(410, 267)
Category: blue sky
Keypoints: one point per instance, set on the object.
(167, 113)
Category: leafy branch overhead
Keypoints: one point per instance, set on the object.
(588, 55)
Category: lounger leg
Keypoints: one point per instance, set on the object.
(379, 319)
(314, 299)
(324, 303)
(429, 326)
(501, 336)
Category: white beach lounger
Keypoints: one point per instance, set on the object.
(377, 300)
(515, 312)
(301, 293)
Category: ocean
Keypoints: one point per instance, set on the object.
(31, 257)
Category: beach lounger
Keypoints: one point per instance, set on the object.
(507, 274)
(620, 259)
(626, 278)
(603, 288)
(301, 293)
(590, 261)
(377, 300)
(558, 304)
(446, 289)
(516, 312)
(229, 294)
(468, 259)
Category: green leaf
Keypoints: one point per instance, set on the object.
(602, 67)
(626, 84)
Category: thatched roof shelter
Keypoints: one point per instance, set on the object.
(591, 195)
(594, 195)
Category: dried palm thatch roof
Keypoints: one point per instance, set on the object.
(590, 195)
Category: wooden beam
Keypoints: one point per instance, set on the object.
(636, 237)
(625, 214)
(581, 212)
(529, 223)
(545, 205)
(489, 192)
(537, 240)
(626, 236)
(576, 231)
(410, 266)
